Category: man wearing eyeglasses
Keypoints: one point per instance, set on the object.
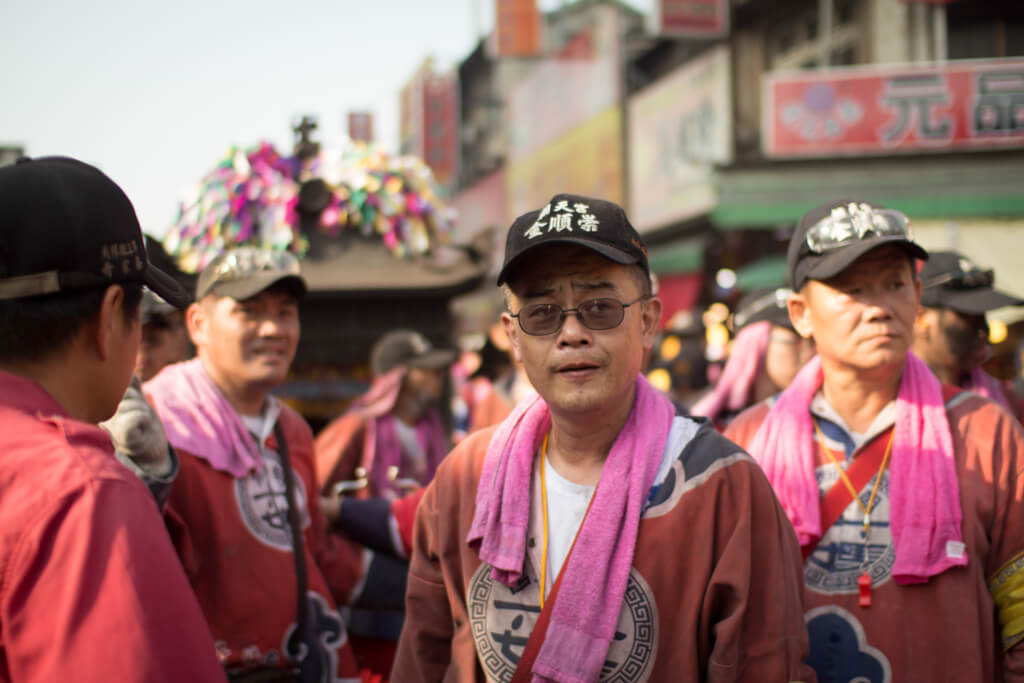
(951, 333)
(243, 511)
(594, 533)
(905, 493)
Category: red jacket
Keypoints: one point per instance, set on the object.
(90, 587)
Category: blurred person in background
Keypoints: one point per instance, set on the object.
(905, 493)
(765, 357)
(164, 337)
(951, 333)
(487, 395)
(395, 431)
(90, 587)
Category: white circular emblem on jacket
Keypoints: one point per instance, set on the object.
(263, 504)
(502, 620)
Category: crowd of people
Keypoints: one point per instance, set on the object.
(843, 505)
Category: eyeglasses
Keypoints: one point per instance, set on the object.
(853, 222)
(596, 314)
(974, 278)
(247, 261)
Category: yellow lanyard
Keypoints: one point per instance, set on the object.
(544, 516)
(849, 484)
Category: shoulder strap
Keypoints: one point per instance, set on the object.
(302, 621)
(860, 471)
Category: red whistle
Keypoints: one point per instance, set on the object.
(864, 585)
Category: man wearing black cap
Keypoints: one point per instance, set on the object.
(905, 493)
(91, 587)
(243, 511)
(595, 534)
(951, 334)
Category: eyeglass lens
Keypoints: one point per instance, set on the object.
(596, 314)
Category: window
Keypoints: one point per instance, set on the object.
(844, 56)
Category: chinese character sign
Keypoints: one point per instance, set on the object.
(976, 104)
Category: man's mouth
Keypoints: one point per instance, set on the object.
(578, 369)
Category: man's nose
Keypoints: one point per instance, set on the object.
(573, 331)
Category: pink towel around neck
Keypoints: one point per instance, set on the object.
(198, 419)
(924, 495)
(595, 575)
(988, 386)
(381, 448)
(735, 386)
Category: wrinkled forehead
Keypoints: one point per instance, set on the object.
(549, 264)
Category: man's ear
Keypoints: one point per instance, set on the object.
(109, 320)
(798, 310)
(196, 322)
(511, 327)
(650, 319)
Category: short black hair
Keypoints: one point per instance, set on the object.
(35, 328)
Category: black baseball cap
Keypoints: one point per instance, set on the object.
(830, 237)
(410, 349)
(244, 272)
(573, 219)
(67, 226)
(950, 280)
(762, 304)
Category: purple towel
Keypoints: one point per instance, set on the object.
(924, 507)
(594, 581)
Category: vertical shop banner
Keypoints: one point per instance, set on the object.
(691, 18)
(587, 160)
(563, 91)
(516, 28)
(360, 126)
(971, 104)
(411, 133)
(441, 125)
(679, 128)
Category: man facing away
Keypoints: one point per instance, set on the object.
(90, 587)
(243, 512)
(905, 493)
(951, 332)
(594, 534)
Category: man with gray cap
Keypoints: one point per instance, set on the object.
(243, 511)
(905, 493)
(90, 587)
(394, 431)
(951, 333)
(595, 534)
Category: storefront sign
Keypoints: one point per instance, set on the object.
(871, 110)
(679, 127)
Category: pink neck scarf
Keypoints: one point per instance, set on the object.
(984, 384)
(198, 419)
(924, 507)
(734, 388)
(381, 447)
(595, 576)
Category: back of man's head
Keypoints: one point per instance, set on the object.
(69, 235)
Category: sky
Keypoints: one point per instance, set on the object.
(155, 93)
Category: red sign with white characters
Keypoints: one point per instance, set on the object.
(873, 110)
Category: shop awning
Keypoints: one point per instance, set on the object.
(682, 256)
(766, 272)
(976, 186)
